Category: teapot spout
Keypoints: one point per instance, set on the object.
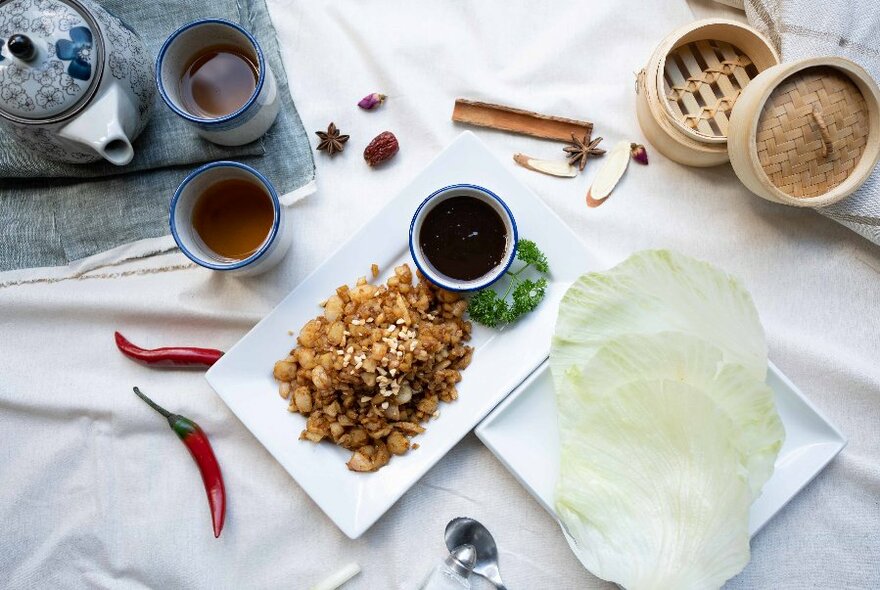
(99, 127)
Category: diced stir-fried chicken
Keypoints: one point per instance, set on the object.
(376, 365)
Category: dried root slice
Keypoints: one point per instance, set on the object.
(560, 168)
(609, 174)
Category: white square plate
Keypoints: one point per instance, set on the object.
(523, 433)
(502, 359)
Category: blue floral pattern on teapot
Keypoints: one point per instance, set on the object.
(78, 51)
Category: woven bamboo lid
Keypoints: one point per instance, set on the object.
(812, 131)
(806, 133)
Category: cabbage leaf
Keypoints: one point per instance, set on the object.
(658, 291)
(652, 492)
(668, 430)
(680, 357)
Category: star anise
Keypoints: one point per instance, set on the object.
(581, 149)
(331, 141)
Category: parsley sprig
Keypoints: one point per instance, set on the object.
(489, 308)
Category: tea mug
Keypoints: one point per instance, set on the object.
(242, 126)
(270, 252)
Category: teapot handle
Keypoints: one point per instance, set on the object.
(22, 47)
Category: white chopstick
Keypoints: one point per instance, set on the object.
(338, 578)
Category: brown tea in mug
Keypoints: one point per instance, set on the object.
(233, 218)
(218, 81)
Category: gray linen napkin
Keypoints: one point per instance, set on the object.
(52, 214)
(846, 28)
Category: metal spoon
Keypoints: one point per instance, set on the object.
(461, 531)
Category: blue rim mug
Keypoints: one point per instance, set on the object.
(482, 194)
(242, 126)
(274, 246)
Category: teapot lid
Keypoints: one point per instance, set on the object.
(51, 59)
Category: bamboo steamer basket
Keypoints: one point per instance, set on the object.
(806, 133)
(691, 84)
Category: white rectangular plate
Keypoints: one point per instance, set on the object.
(502, 359)
(523, 433)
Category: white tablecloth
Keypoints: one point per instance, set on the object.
(96, 492)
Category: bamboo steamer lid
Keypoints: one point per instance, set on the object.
(806, 133)
(691, 83)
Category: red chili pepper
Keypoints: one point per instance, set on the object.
(196, 441)
(169, 356)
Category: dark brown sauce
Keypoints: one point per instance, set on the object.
(233, 218)
(463, 237)
(218, 81)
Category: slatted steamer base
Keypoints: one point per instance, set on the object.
(789, 140)
(702, 81)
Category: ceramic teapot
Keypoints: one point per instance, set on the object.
(76, 84)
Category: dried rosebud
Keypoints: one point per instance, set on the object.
(638, 152)
(382, 148)
(372, 101)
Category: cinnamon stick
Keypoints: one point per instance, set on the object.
(513, 120)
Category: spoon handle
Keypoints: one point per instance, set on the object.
(494, 576)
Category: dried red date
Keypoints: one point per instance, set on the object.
(382, 148)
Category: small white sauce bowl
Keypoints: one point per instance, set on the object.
(270, 252)
(465, 190)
